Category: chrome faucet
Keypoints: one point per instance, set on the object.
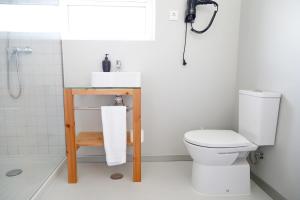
(118, 65)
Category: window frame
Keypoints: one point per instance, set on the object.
(149, 5)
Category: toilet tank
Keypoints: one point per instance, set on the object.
(258, 116)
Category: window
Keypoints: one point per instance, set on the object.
(29, 18)
(84, 19)
(110, 20)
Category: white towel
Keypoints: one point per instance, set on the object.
(114, 134)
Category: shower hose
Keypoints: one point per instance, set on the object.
(17, 66)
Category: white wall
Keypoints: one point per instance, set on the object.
(269, 60)
(174, 99)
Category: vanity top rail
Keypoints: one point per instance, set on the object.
(103, 91)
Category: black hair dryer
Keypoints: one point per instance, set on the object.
(190, 16)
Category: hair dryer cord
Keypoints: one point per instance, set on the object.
(184, 47)
(211, 20)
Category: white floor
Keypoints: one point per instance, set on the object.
(36, 169)
(161, 180)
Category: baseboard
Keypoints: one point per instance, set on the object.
(167, 158)
(267, 188)
(38, 194)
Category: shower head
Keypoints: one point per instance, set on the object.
(15, 52)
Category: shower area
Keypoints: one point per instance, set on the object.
(32, 141)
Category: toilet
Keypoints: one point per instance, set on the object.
(220, 164)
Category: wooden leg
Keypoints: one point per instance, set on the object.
(137, 135)
(70, 136)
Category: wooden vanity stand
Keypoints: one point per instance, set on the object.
(94, 138)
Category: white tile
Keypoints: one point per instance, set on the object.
(37, 112)
(42, 140)
(30, 140)
(2, 131)
(53, 140)
(12, 141)
(3, 150)
(43, 149)
(160, 181)
(12, 149)
(57, 150)
(3, 141)
(28, 150)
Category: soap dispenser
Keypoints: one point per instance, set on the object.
(106, 64)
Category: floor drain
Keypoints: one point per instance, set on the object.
(116, 176)
(14, 172)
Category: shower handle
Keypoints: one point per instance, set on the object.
(19, 50)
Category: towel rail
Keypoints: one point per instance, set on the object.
(97, 108)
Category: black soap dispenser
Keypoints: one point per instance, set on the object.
(106, 64)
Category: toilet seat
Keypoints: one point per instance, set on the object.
(216, 139)
(217, 147)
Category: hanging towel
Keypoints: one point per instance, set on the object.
(114, 134)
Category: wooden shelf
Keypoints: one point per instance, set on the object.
(93, 139)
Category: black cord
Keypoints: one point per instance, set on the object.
(210, 22)
(185, 36)
(208, 26)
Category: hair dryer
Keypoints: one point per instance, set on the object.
(190, 14)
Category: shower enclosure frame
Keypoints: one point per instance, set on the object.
(71, 144)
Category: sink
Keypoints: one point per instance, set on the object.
(116, 79)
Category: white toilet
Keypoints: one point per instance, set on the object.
(219, 156)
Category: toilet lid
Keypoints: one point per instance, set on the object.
(216, 138)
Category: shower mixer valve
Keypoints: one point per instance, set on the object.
(18, 50)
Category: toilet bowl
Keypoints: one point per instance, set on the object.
(219, 161)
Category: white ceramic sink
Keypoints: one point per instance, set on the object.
(116, 79)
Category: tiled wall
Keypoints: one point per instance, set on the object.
(34, 123)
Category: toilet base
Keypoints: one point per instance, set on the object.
(222, 180)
